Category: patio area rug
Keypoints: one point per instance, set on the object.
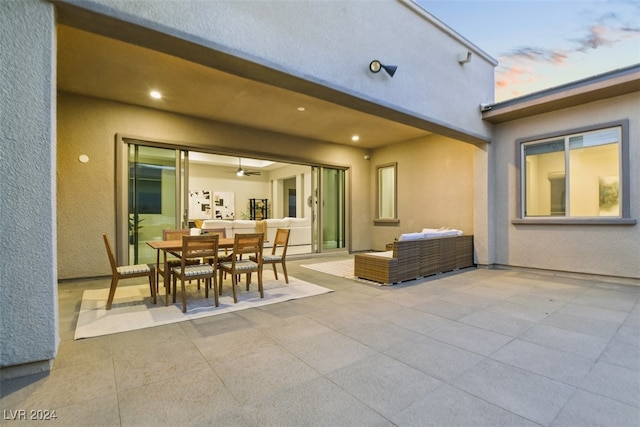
(341, 268)
(133, 309)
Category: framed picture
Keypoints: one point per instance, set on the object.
(224, 205)
(200, 204)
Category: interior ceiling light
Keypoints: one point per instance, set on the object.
(375, 66)
(301, 108)
(155, 94)
(355, 138)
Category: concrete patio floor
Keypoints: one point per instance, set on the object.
(472, 348)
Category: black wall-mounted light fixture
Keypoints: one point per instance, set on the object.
(375, 66)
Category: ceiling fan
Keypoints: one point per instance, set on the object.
(244, 172)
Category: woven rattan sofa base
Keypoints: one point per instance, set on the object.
(416, 258)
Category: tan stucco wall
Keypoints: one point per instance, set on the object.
(435, 186)
(596, 249)
(86, 191)
(328, 43)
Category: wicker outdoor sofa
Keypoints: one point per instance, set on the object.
(411, 259)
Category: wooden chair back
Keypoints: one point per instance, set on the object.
(197, 247)
(175, 234)
(281, 241)
(248, 243)
(222, 232)
(112, 259)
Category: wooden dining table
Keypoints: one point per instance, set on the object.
(169, 246)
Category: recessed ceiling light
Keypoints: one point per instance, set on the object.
(355, 138)
(301, 108)
(155, 94)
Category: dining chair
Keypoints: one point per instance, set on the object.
(278, 253)
(128, 272)
(244, 243)
(175, 235)
(222, 232)
(196, 248)
(172, 235)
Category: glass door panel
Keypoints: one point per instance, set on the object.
(152, 192)
(333, 209)
(316, 223)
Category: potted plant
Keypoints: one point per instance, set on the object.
(134, 228)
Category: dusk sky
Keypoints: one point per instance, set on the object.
(541, 44)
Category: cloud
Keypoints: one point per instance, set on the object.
(606, 30)
(536, 54)
(597, 36)
(514, 75)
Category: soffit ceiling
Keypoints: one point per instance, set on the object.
(94, 65)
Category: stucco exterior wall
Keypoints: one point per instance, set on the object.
(87, 194)
(28, 297)
(435, 186)
(332, 44)
(610, 250)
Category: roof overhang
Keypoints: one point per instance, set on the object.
(608, 85)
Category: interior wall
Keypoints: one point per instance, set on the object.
(435, 186)
(215, 178)
(302, 175)
(86, 191)
(593, 249)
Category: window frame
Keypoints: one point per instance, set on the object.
(384, 220)
(625, 202)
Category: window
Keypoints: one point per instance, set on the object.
(387, 193)
(579, 175)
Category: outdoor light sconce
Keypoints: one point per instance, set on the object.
(464, 58)
(376, 65)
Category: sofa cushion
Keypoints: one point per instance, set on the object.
(244, 224)
(410, 236)
(277, 222)
(216, 223)
(299, 222)
(386, 254)
(430, 233)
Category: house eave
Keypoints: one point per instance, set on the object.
(608, 85)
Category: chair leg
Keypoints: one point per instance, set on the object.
(286, 276)
(234, 279)
(184, 296)
(260, 283)
(167, 289)
(112, 291)
(220, 282)
(275, 270)
(215, 290)
(175, 279)
(152, 285)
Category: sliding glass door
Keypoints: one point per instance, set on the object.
(329, 202)
(150, 201)
(153, 195)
